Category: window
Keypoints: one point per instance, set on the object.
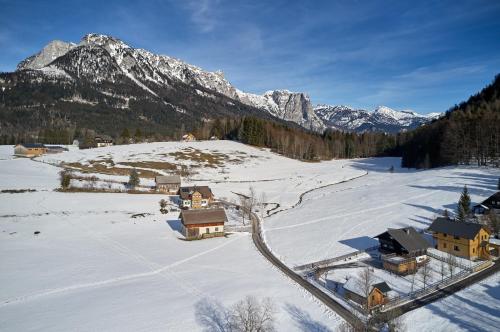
(456, 248)
(444, 234)
(208, 230)
(473, 250)
(444, 245)
(216, 229)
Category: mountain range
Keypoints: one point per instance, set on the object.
(104, 83)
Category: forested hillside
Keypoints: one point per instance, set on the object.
(469, 133)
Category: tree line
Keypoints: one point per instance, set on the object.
(469, 133)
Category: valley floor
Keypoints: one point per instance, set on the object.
(96, 267)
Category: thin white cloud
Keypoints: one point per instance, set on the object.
(203, 13)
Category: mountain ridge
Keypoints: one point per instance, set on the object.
(105, 60)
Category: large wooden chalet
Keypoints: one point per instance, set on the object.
(464, 239)
(203, 223)
(30, 150)
(196, 197)
(168, 184)
(403, 250)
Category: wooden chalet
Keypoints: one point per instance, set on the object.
(203, 223)
(378, 294)
(464, 239)
(29, 150)
(168, 184)
(403, 250)
(102, 141)
(489, 205)
(195, 197)
(188, 138)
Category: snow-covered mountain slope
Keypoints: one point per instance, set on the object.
(106, 60)
(101, 58)
(381, 119)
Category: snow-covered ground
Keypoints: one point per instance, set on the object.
(344, 218)
(95, 267)
(476, 308)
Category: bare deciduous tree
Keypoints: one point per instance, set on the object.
(425, 274)
(248, 315)
(451, 261)
(262, 204)
(442, 269)
(365, 283)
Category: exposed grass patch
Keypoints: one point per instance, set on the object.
(97, 167)
(206, 159)
(159, 165)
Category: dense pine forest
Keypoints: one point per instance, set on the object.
(298, 143)
(469, 133)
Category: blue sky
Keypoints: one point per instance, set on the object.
(420, 55)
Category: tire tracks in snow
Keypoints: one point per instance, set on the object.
(317, 220)
(116, 280)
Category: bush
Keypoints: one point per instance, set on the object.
(65, 178)
(133, 179)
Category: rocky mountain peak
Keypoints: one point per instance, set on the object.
(49, 53)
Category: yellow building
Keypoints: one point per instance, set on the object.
(463, 239)
(29, 150)
(378, 293)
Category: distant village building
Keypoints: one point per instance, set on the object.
(168, 184)
(403, 250)
(463, 239)
(188, 138)
(55, 149)
(203, 223)
(102, 141)
(489, 205)
(196, 197)
(378, 294)
(29, 150)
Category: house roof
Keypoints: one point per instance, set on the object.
(168, 179)
(33, 145)
(489, 201)
(103, 138)
(203, 216)
(383, 287)
(467, 230)
(355, 285)
(186, 192)
(408, 238)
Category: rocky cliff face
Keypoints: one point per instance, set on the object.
(49, 53)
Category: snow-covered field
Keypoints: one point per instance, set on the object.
(94, 267)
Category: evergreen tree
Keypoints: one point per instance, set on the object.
(461, 215)
(133, 179)
(138, 134)
(125, 134)
(464, 203)
(446, 214)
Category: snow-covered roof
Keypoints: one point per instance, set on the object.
(495, 241)
(355, 285)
